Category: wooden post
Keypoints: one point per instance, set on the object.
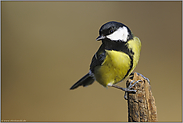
(141, 105)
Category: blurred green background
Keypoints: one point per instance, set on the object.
(48, 46)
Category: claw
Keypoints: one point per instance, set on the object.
(125, 96)
(142, 76)
(130, 87)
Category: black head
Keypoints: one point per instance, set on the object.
(114, 31)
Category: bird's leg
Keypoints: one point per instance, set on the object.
(129, 89)
(142, 76)
(124, 89)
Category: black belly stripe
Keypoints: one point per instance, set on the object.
(120, 46)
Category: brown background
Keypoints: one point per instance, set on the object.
(48, 46)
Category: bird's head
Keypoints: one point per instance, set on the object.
(114, 31)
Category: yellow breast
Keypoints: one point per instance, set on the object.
(113, 69)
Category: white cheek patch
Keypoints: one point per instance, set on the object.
(120, 34)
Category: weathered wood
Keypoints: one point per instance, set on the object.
(141, 105)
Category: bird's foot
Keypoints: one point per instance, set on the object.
(142, 76)
(130, 87)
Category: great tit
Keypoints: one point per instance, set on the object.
(116, 58)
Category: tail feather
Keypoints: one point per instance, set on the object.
(84, 81)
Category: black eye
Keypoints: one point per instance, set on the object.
(111, 30)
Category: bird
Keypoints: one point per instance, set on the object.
(115, 59)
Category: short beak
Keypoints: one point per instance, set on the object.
(100, 38)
